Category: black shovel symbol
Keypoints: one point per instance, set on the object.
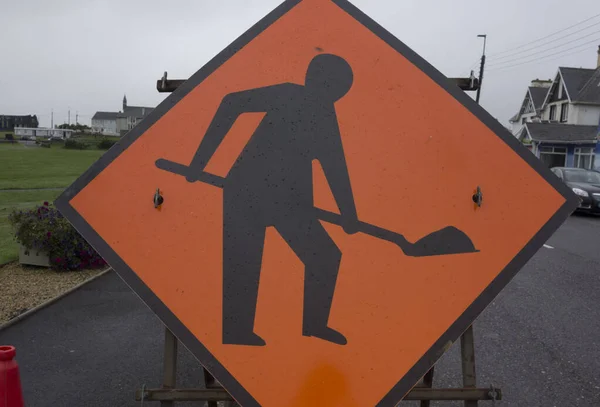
(445, 241)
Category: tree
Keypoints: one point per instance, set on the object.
(76, 127)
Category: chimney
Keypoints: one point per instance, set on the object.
(598, 63)
(541, 83)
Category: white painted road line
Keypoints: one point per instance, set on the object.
(548, 246)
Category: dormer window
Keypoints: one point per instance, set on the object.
(564, 112)
(560, 90)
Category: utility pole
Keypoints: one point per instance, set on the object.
(467, 349)
(69, 120)
(484, 36)
(76, 117)
(52, 119)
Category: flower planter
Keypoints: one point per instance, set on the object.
(32, 258)
(56, 243)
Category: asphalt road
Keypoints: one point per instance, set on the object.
(539, 341)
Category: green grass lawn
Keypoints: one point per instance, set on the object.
(33, 167)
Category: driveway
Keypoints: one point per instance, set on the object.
(539, 341)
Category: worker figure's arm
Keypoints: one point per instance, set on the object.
(231, 107)
(332, 159)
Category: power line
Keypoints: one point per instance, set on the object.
(545, 50)
(560, 53)
(549, 42)
(547, 36)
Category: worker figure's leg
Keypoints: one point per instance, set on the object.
(243, 241)
(321, 258)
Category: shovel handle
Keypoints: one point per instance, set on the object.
(330, 217)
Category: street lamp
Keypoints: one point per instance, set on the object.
(484, 36)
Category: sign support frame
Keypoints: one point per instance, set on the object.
(213, 392)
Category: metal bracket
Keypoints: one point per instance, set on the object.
(165, 85)
(478, 197)
(158, 198)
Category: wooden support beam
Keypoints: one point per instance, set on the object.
(165, 85)
(214, 395)
(428, 384)
(170, 365)
(467, 350)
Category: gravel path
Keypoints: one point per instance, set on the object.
(23, 288)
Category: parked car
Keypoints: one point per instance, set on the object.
(585, 184)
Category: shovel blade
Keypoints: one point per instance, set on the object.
(448, 240)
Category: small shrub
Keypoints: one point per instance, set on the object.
(45, 229)
(105, 144)
(72, 144)
(9, 137)
(45, 144)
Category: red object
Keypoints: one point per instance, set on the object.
(11, 394)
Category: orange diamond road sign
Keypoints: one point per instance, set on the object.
(318, 242)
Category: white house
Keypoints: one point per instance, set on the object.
(105, 123)
(119, 123)
(563, 130)
(130, 116)
(21, 132)
(532, 104)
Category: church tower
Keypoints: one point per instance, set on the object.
(124, 103)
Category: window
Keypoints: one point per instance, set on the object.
(583, 176)
(560, 89)
(564, 112)
(553, 112)
(528, 106)
(553, 156)
(584, 157)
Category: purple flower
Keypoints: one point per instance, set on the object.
(49, 234)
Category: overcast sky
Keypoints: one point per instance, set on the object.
(84, 55)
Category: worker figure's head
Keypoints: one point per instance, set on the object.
(328, 76)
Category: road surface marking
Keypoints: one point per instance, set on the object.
(548, 246)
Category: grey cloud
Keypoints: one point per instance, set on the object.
(84, 55)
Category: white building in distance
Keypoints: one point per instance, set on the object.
(33, 132)
(119, 123)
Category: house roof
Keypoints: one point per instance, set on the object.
(590, 93)
(574, 79)
(581, 84)
(105, 116)
(537, 95)
(562, 133)
(136, 111)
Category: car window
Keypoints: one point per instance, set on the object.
(587, 177)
